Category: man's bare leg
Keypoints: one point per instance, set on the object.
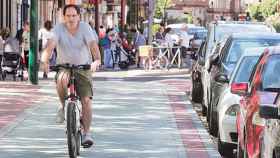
(87, 140)
(87, 113)
(61, 87)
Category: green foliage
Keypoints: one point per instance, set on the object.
(274, 20)
(260, 11)
(255, 12)
(268, 7)
(161, 5)
(189, 19)
(155, 28)
(277, 26)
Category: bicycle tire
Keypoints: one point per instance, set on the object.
(163, 62)
(71, 130)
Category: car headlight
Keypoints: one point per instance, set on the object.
(232, 110)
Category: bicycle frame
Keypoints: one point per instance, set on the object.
(72, 89)
(73, 111)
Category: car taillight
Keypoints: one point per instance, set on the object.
(239, 88)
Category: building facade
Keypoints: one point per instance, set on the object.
(196, 8)
(226, 9)
(13, 13)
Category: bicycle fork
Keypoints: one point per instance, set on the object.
(73, 100)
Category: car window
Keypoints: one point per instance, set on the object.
(224, 30)
(270, 76)
(238, 47)
(245, 68)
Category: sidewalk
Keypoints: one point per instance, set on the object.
(15, 97)
(136, 115)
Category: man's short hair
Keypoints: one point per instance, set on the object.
(71, 6)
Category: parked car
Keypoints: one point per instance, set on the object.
(216, 32)
(223, 63)
(262, 89)
(229, 103)
(176, 30)
(199, 35)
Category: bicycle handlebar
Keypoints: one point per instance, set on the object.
(70, 66)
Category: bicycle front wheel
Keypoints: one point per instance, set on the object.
(163, 62)
(72, 131)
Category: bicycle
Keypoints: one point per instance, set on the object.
(158, 58)
(161, 61)
(73, 110)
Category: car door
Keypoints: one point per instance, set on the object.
(251, 106)
(217, 69)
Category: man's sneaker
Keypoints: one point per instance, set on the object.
(60, 116)
(87, 140)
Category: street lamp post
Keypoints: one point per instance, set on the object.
(33, 63)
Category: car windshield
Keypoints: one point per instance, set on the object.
(270, 76)
(238, 47)
(245, 68)
(224, 30)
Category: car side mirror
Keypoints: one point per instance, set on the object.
(240, 88)
(222, 78)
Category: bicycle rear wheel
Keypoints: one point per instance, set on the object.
(73, 135)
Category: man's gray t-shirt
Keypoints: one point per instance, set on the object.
(73, 49)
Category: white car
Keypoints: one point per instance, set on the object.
(217, 32)
(229, 103)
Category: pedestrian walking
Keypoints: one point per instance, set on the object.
(25, 45)
(160, 39)
(139, 40)
(185, 44)
(44, 35)
(76, 44)
(105, 43)
(168, 38)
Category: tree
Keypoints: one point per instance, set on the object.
(161, 6)
(262, 10)
(268, 7)
(255, 11)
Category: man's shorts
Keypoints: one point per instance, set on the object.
(83, 81)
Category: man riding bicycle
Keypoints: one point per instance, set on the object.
(76, 44)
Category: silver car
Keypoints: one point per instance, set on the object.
(229, 103)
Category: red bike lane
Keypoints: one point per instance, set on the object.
(15, 97)
(192, 139)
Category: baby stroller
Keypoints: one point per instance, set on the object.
(123, 57)
(11, 60)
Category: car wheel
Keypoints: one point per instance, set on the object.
(196, 91)
(204, 109)
(276, 152)
(225, 149)
(208, 108)
(213, 126)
